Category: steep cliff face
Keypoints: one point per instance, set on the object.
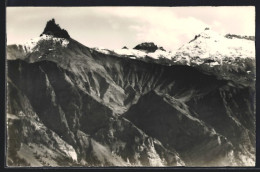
(81, 120)
(54, 29)
(91, 108)
(218, 134)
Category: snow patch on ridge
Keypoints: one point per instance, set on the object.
(102, 50)
(31, 45)
(211, 45)
(208, 48)
(137, 54)
(131, 52)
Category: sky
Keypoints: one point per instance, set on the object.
(115, 27)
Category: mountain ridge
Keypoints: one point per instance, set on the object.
(101, 108)
(236, 56)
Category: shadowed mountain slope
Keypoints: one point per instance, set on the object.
(89, 108)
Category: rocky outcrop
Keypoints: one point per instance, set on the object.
(231, 36)
(54, 29)
(148, 47)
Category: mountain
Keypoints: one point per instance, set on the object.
(71, 105)
(148, 47)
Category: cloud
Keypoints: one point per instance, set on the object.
(160, 25)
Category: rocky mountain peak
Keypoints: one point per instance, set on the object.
(54, 29)
(207, 34)
(148, 47)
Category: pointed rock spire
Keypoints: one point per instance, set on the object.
(54, 29)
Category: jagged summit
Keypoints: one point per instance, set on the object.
(54, 29)
(148, 47)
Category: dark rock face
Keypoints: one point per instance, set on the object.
(78, 107)
(80, 120)
(148, 47)
(54, 29)
(183, 125)
(231, 36)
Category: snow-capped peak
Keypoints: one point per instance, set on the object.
(215, 47)
(208, 33)
(52, 33)
(208, 47)
(32, 44)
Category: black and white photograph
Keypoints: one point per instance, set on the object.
(130, 86)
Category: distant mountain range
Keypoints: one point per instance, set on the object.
(71, 105)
